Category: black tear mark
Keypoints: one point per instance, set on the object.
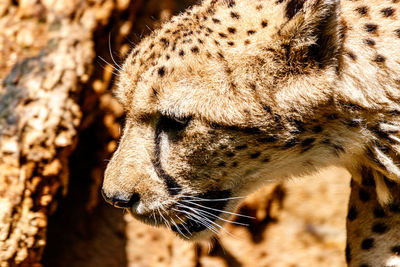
(172, 186)
(292, 7)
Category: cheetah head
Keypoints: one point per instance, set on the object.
(213, 101)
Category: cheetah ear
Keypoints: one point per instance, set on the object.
(312, 29)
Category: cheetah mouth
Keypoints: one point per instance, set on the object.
(190, 215)
(205, 212)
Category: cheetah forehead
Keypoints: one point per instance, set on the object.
(202, 61)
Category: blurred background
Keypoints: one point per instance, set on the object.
(59, 125)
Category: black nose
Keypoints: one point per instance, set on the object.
(120, 201)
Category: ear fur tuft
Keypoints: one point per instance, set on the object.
(313, 27)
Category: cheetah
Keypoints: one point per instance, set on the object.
(234, 94)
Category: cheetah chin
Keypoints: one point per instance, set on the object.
(234, 94)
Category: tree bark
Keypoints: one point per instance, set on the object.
(40, 112)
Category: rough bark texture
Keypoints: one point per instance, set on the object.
(50, 44)
(58, 126)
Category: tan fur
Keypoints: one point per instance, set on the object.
(271, 89)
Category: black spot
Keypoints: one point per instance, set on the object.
(268, 139)
(231, 43)
(394, 207)
(333, 117)
(388, 182)
(164, 41)
(235, 15)
(317, 129)
(255, 155)
(266, 159)
(223, 147)
(307, 142)
(241, 147)
(367, 177)
(350, 106)
(367, 243)
(379, 228)
(230, 154)
(353, 123)
(299, 127)
(379, 59)
(371, 28)
(223, 35)
(277, 118)
(362, 10)
(369, 42)
(337, 148)
(232, 30)
(397, 31)
(364, 195)
(396, 250)
(252, 130)
(266, 108)
(264, 23)
(231, 3)
(161, 72)
(221, 164)
(352, 55)
(352, 215)
(195, 50)
(387, 12)
(235, 164)
(379, 212)
(364, 265)
(154, 91)
(251, 32)
(291, 143)
(217, 21)
(348, 253)
(181, 53)
(292, 7)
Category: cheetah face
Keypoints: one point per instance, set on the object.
(206, 102)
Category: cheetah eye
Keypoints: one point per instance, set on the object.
(172, 123)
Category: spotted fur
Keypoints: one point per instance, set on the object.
(234, 94)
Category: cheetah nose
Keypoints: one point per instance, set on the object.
(120, 201)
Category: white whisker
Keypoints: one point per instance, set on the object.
(183, 224)
(199, 220)
(114, 68)
(199, 212)
(222, 211)
(215, 216)
(109, 49)
(210, 199)
(165, 220)
(178, 229)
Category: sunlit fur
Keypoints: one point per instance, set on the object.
(270, 90)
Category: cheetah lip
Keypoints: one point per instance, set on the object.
(201, 210)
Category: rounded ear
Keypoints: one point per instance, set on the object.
(313, 29)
